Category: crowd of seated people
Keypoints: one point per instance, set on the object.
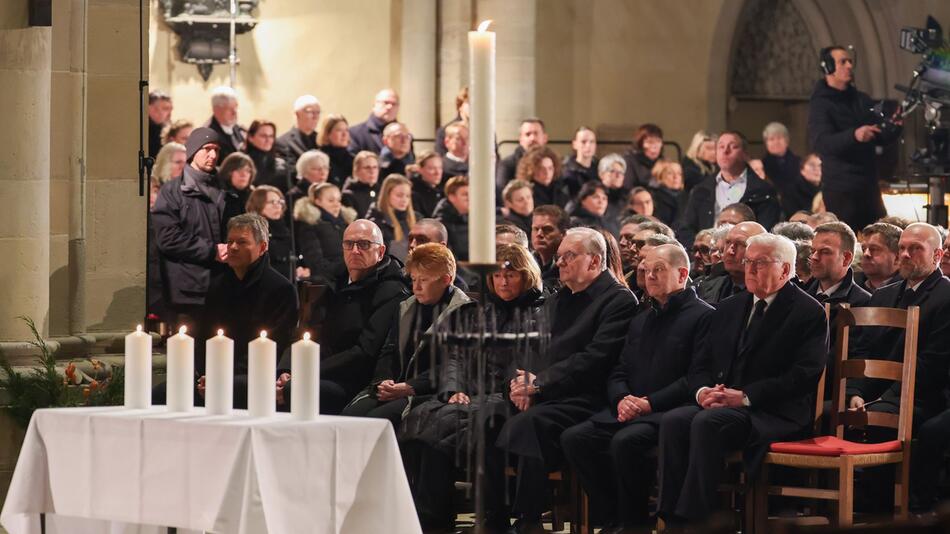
(684, 299)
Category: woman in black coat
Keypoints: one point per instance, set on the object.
(433, 431)
(268, 202)
(669, 199)
(394, 215)
(590, 207)
(236, 176)
(259, 145)
(321, 220)
(541, 167)
(581, 167)
(648, 142)
(700, 160)
(333, 140)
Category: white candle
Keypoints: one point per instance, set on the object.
(481, 175)
(180, 386)
(219, 374)
(305, 369)
(261, 377)
(138, 370)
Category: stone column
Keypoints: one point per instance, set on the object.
(417, 68)
(24, 180)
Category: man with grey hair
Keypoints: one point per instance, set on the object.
(754, 385)
(783, 167)
(920, 252)
(729, 279)
(368, 135)
(796, 231)
(509, 233)
(589, 317)
(303, 135)
(224, 106)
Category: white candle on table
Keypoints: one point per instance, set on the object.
(481, 176)
(180, 386)
(261, 377)
(219, 374)
(138, 370)
(305, 369)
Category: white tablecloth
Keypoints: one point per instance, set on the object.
(124, 468)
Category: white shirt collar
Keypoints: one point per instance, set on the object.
(743, 178)
(453, 157)
(831, 289)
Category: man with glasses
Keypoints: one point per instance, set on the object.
(303, 135)
(353, 318)
(755, 384)
(589, 317)
(701, 253)
(720, 285)
(397, 150)
(368, 135)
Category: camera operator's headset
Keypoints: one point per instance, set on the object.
(826, 62)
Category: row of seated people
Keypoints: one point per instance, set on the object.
(610, 387)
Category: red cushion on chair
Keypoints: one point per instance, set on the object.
(832, 446)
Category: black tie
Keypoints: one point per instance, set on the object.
(758, 315)
(821, 298)
(907, 298)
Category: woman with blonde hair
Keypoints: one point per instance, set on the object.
(394, 215)
(666, 185)
(268, 202)
(169, 163)
(700, 160)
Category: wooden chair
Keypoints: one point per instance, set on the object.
(834, 452)
(569, 504)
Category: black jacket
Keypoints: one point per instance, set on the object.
(389, 164)
(367, 135)
(457, 226)
(451, 168)
(187, 222)
(359, 196)
(550, 275)
(508, 168)
(235, 203)
(341, 164)
(352, 321)
(779, 368)
(933, 340)
(230, 143)
(862, 280)
(554, 193)
(581, 217)
(280, 248)
(693, 173)
(717, 286)
(320, 238)
(833, 116)
(587, 333)
(521, 221)
(263, 300)
(575, 175)
(154, 137)
(795, 192)
(271, 168)
(668, 204)
(292, 144)
(759, 195)
(657, 355)
(424, 196)
(639, 169)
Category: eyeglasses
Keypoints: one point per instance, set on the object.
(568, 257)
(276, 202)
(362, 244)
(758, 264)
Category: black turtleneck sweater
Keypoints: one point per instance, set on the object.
(271, 168)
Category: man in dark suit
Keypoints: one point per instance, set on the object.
(368, 135)
(303, 135)
(589, 317)
(224, 116)
(649, 379)
(736, 182)
(879, 257)
(925, 286)
(754, 384)
(728, 278)
(530, 134)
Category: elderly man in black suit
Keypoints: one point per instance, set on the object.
(368, 135)
(648, 380)
(925, 286)
(753, 385)
(589, 318)
(728, 278)
(303, 135)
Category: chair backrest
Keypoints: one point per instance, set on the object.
(820, 395)
(877, 367)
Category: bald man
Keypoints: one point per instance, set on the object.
(368, 135)
(920, 251)
(648, 379)
(730, 279)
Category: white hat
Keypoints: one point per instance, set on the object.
(304, 101)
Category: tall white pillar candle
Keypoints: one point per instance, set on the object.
(138, 370)
(481, 176)
(219, 374)
(305, 370)
(261, 377)
(180, 385)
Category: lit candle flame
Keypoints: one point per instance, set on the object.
(306, 336)
(264, 334)
(182, 330)
(220, 332)
(138, 328)
(484, 25)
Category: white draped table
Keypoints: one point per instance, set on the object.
(112, 470)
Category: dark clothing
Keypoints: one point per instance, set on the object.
(359, 196)
(555, 193)
(587, 331)
(235, 203)
(862, 280)
(390, 164)
(668, 204)
(187, 222)
(280, 249)
(718, 285)
(320, 238)
(352, 321)
(263, 300)
(639, 169)
(581, 217)
(341, 164)
(693, 173)
(794, 191)
(457, 225)
(521, 221)
(292, 144)
(400, 248)
(451, 168)
(367, 135)
(616, 203)
(550, 275)
(271, 168)
(298, 191)
(440, 136)
(508, 168)
(775, 358)
(154, 137)
(654, 363)
(848, 166)
(701, 205)
(574, 175)
(424, 196)
(230, 143)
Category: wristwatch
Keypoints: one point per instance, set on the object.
(537, 386)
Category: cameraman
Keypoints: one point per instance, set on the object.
(843, 130)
